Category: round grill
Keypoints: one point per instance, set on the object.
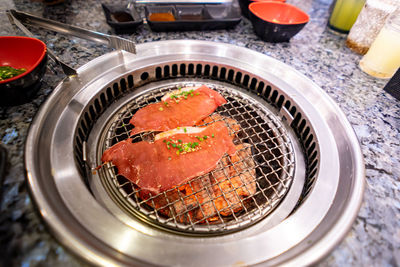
(306, 187)
(241, 190)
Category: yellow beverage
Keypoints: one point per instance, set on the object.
(383, 57)
(345, 13)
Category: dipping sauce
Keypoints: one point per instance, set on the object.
(164, 16)
(121, 17)
(7, 72)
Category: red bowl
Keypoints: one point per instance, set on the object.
(21, 52)
(244, 5)
(275, 21)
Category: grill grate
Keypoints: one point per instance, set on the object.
(240, 191)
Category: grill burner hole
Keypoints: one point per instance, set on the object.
(263, 171)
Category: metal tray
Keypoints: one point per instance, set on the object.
(193, 17)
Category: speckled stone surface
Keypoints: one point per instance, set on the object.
(316, 52)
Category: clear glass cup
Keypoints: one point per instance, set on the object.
(368, 24)
(383, 57)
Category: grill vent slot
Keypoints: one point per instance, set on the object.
(300, 125)
(174, 70)
(144, 76)
(191, 69)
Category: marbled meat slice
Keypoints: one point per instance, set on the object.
(226, 199)
(243, 171)
(178, 202)
(233, 181)
(173, 159)
(184, 108)
(204, 195)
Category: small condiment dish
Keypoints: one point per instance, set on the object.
(121, 18)
(21, 52)
(275, 21)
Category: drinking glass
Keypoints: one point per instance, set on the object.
(344, 14)
(383, 57)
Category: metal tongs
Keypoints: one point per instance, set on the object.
(68, 70)
(19, 18)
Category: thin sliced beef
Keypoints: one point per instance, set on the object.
(185, 108)
(172, 160)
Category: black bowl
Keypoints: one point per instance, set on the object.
(275, 21)
(244, 5)
(22, 52)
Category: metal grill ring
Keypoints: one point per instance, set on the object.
(263, 170)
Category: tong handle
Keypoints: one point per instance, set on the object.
(66, 68)
(62, 28)
(109, 40)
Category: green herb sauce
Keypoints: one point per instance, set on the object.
(7, 72)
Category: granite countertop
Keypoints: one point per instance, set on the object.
(316, 51)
